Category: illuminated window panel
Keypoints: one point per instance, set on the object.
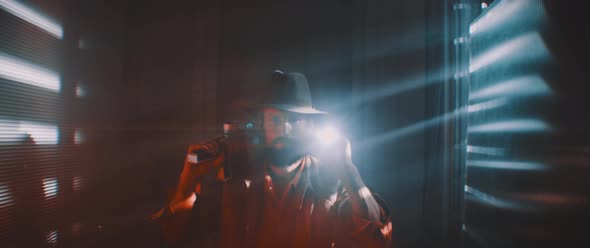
(18, 70)
(50, 187)
(32, 16)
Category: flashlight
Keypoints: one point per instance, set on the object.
(327, 135)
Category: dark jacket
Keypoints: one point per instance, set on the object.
(247, 212)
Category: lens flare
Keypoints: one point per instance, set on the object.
(327, 135)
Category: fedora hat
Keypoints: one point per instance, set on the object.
(290, 92)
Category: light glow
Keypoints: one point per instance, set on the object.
(80, 91)
(493, 151)
(77, 183)
(487, 199)
(41, 134)
(5, 196)
(12, 131)
(328, 203)
(487, 105)
(531, 85)
(364, 192)
(15, 69)
(527, 47)
(32, 16)
(327, 135)
(508, 165)
(50, 187)
(78, 136)
(407, 130)
(506, 12)
(524, 125)
(51, 238)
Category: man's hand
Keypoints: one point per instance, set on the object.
(335, 164)
(194, 173)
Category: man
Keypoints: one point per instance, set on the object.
(295, 194)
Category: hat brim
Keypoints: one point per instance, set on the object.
(295, 109)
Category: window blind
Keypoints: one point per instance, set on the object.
(527, 163)
(35, 156)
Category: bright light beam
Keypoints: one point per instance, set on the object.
(508, 165)
(523, 125)
(496, 103)
(32, 16)
(492, 151)
(530, 85)
(15, 69)
(400, 132)
(402, 86)
(487, 199)
(527, 47)
(506, 12)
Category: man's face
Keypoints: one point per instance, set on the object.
(283, 132)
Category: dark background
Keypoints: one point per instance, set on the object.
(160, 75)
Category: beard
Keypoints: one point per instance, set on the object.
(291, 151)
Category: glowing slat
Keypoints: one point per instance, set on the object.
(5, 196)
(50, 187)
(78, 136)
(522, 86)
(527, 47)
(506, 12)
(77, 183)
(491, 200)
(487, 105)
(42, 134)
(51, 238)
(32, 16)
(18, 70)
(526, 125)
(493, 151)
(17, 131)
(80, 91)
(9, 131)
(76, 227)
(507, 165)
